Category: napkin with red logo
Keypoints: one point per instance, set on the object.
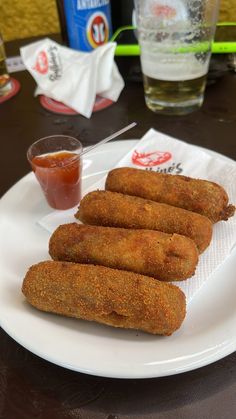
(73, 77)
(161, 153)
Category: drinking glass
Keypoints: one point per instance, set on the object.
(5, 80)
(175, 38)
(57, 164)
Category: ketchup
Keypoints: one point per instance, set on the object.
(59, 175)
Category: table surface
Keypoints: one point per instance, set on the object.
(33, 388)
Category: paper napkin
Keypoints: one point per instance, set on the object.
(161, 153)
(72, 77)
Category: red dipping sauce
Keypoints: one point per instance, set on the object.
(59, 175)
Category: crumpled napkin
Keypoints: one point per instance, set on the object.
(161, 153)
(73, 77)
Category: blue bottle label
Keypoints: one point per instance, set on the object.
(88, 23)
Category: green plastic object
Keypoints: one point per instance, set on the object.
(216, 47)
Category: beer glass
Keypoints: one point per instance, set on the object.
(5, 80)
(175, 38)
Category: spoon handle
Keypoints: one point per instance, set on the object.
(110, 137)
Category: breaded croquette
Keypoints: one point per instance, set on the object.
(197, 195)
(109, 296)
(167, 257)
(118, 210)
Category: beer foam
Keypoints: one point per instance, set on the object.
(173, 67)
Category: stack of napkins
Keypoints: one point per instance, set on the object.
(161, 153)
(72, 77)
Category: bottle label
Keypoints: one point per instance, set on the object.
(88, 23)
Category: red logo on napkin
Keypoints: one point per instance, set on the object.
(41, 65)
(150, 159)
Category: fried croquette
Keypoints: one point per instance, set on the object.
(118, 210)
(167, 257)
(109, 296)
(197, 195)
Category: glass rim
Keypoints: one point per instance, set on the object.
(75, 158)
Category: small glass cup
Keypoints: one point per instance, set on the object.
(5, 79)
(57, 164)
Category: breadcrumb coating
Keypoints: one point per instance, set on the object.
(109, 296)
(118, 210)
(167, 257)
(197, 195)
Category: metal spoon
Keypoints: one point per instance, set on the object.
(110, 137)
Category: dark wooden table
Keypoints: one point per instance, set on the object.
(33, 388)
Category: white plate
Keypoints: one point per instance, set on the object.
(207, 334)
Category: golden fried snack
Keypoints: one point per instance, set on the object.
(197, 195)
(167, 257)
(117, 210)
(105, 295)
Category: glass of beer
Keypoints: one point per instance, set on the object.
(175, 38)
(5, 80)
